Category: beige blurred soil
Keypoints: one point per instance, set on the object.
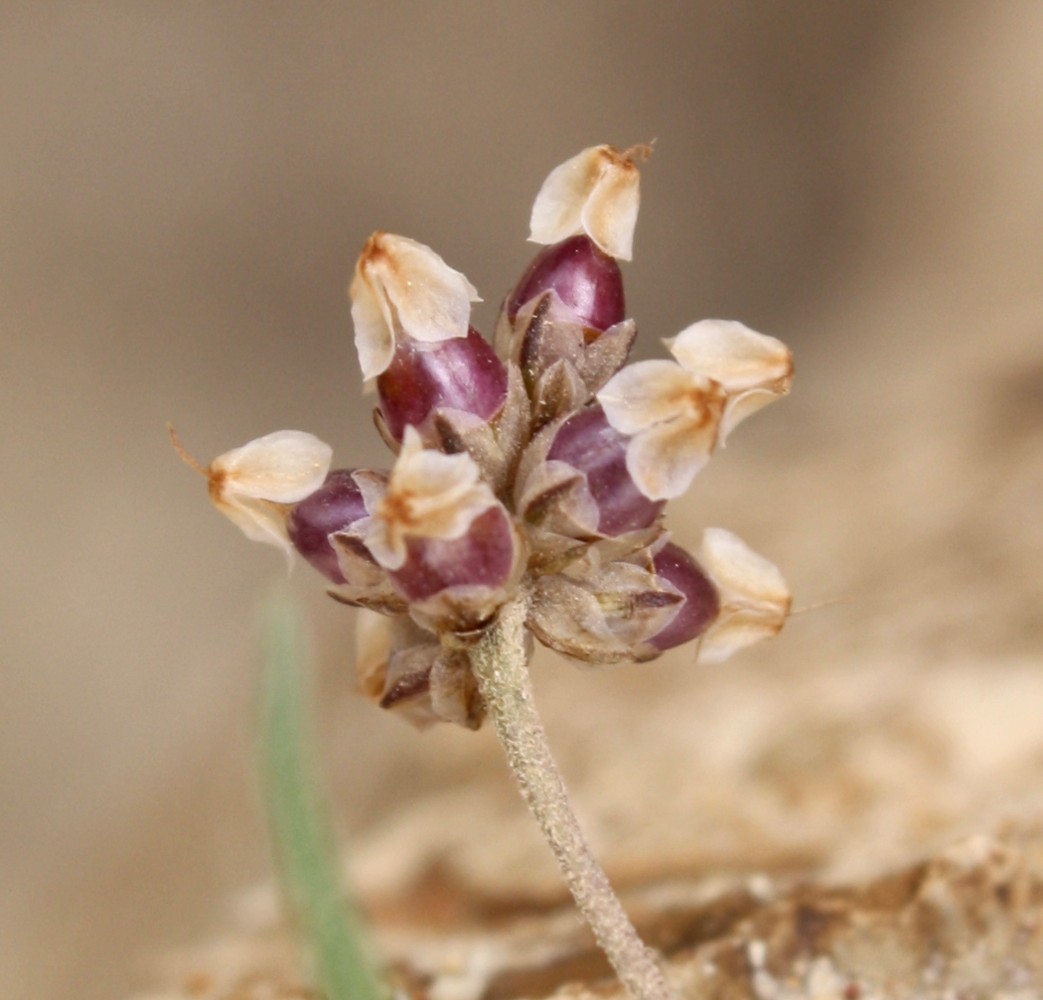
(854, 810)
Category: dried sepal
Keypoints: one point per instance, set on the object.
(555, 499)
(552, 497)
(643, 541)
(255, 485)
(596, 192)
(403, 287)
(454, 690)
(602, 613)
(752, 368)
(366, 583)
(457, 431)
(545, 335)
(754, 597)
(429, 684)
(513, 427)
(429, 495)
(558, 392)
(461, 608)
(381, 424)
(405, 670)
(607, 355)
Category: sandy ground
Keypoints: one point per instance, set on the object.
(183, 191)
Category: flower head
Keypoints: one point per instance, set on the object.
(536, 472)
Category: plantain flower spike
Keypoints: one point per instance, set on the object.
(525, 496)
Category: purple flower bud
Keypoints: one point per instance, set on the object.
(334, 506)
(586, 279)
(462, 373)
(590, 444)
(484, 556)
(701, 601)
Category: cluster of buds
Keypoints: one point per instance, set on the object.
(535, 472)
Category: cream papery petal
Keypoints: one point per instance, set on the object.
(431, 478)
(738, 408)
(665, 459)
(734, 355)
(610, 214)
(557, 210)
(433, 300)
(254, 486)
(429, 495)
(374, 336)
(372, 485)
(402, 285)
(755, 599)
(597, 192)
(259, 520)
(652, 392)
(283, 467)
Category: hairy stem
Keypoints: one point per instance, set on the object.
(500, 664)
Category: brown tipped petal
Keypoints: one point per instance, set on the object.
(754, 597)
(596, 192)
(403, 287)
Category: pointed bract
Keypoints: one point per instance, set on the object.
(603, 613)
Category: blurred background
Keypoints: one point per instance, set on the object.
(183, 191)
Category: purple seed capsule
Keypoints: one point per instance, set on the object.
(482, 557)
(463, 373)
(586, 279)
(701, 601)
(590, 444)
(334, 506)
